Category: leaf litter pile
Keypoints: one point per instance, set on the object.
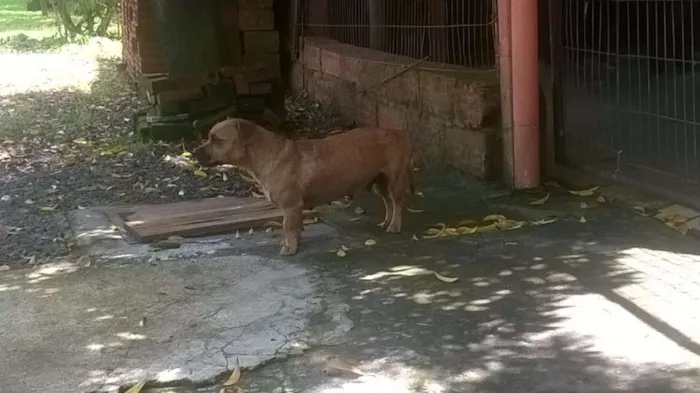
(63, 150)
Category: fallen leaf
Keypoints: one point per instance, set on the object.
(32, 260)
(122, 175)
(268, 230)
(370, 242)
(640, 209)
(257, 194)
(80, 141)
(88, 188)
(272, 224)
(354, 219)
(339, 366)
(136, 388)
(186, 154)
(235, 375)
(414, 210)
(600, 199)
(420, 194)
(181, 193)
(247, 178)
(199, 173)
(176, 238)
(238, 235)
(251, 231)
(113, 227)
(414, 237)
(487, 228)
(435, 232)
(48, 208)
(466, 223)
(359, 210)
(583, 205)
(587, 192)
(310, 221)
(344, 248)
(445, 278)
(495, 217)
(224, 177)
(465, 230)
(544, 221)
(4, 268)
(510, 225)
(541, 201)
(84, 261)
(582, 219)
(341, 253)
(511, 243)
(450, 232)
(341, 204)
(143, 321)
(28, 202)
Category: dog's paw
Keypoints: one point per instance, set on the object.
(287, 250)
(393, 229)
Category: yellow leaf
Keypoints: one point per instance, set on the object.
(541, 201)
(176, 238)
(487, 228)
(235, 375)
(341, 253)
(680, 227)
(272, 224)
(186, 154)
(544, 221)
(465, 230)
(48, 208)
(582, 219)
(199, 173)
(466, 223)
(435, 232)
(80, 141)
(136, 388)
(510, 224)
(8, 142)
(587, 192)
(344, 248)
(113, 227)
(445, 278)
(122, 175)
(583, 205)
(370, 242)
(600, 199)
(414, 210)
(495, 217)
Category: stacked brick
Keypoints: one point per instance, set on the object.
(140, 44)
(249, 45)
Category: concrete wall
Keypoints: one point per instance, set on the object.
(451, 113)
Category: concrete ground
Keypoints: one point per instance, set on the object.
(606, 305)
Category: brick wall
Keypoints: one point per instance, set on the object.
(450, 113)
(140, 44)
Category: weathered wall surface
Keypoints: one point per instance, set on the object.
(451, 114)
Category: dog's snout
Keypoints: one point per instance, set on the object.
(201, 155)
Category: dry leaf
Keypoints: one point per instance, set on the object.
(224, 177)
(272, 224)
(247, 178)
(257, 194)
(4, 268)
(354, 219)
(176, 238)
(450, 232)
(48, 208)
(344, 248)
(251, 231)
(445, 278)
(414, 237)
(341, 204)
(420, 194)
(583, 205)
(582, 219)
(268, 230)
(359, 210)
(435, 232)
(587, 192)
(466, 223)
(136, 388)
(143, 321)
(84, 261)
(28, 202)
(414, 210)
(341, 253)
(339, 366)
(199, 173)
(235, 375)
(510, 224)
(238, 235)
(495, 217)
(370, 242)
(113, 227)
(541, 201)
(511, 243)
(640, 209)
(487, 228)
(310, 221)
(544, 221)
(464, 230)
(600, 199)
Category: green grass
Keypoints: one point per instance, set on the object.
(15, 20)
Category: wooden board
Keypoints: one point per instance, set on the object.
(210, 216)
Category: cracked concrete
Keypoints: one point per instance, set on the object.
(79, 330)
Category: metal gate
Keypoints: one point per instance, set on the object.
(628, 83)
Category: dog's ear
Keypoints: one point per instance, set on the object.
(246, 130)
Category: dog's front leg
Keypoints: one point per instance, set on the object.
(292, 225)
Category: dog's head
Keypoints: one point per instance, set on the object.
(228, 143)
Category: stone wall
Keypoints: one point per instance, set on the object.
(451, 113)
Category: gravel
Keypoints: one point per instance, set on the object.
(69, 146)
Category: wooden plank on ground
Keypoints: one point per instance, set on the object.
(198, 218)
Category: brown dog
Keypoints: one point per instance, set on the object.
(302, 174)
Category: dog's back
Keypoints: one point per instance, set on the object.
(342, 164)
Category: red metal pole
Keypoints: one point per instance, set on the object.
(504, 68)
(525, 85)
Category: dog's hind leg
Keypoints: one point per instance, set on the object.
(380, 188)
(398, 186)
(292, 225)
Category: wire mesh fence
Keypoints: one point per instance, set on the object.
(631, 87)
(454, 32)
